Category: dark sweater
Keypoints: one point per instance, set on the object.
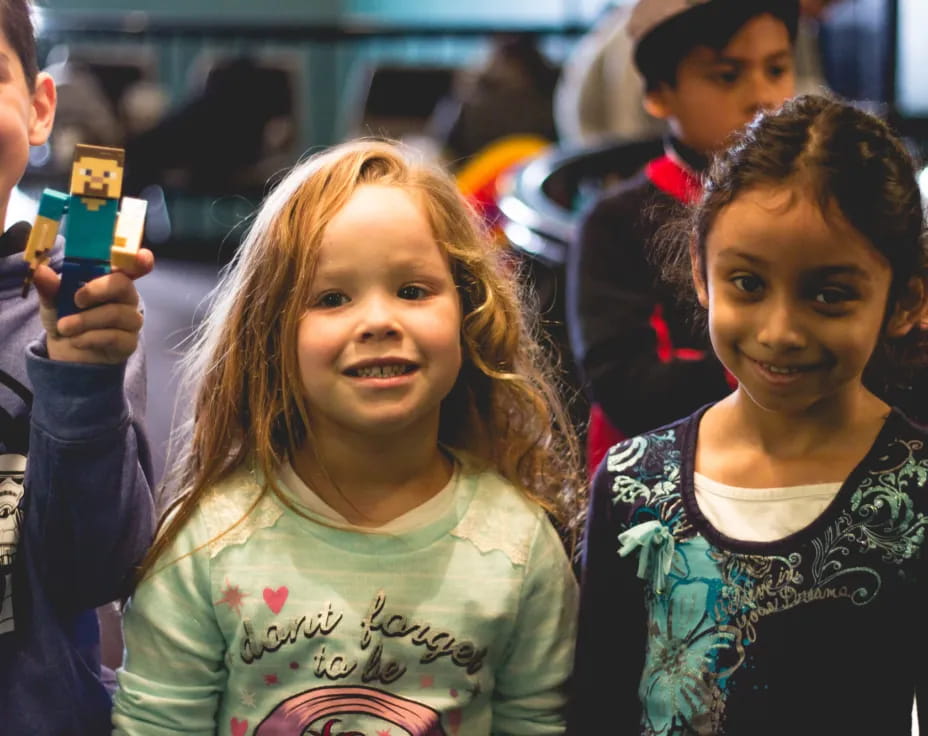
(84, 517)
(822, 632)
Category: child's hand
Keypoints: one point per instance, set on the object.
(108, 330)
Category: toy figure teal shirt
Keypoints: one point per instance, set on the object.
(461, 626)
(90, 229)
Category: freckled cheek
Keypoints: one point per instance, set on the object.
(319, 342)
(439, 328)
(447, 347)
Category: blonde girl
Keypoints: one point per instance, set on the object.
(363, 542)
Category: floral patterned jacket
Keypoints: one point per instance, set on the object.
(686, 631)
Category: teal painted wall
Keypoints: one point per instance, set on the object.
(302, 9)
(418, 11)
(328, 73)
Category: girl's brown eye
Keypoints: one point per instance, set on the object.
(833, 296)
(411, 292)
(749, 284)
(333, 299)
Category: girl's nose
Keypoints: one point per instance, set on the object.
(378, 319)
(780, 327)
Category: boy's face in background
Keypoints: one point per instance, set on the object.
(718, 92)
(25, 119)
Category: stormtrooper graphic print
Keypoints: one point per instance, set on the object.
(12, 471)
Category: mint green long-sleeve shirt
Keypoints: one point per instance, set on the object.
(285, 625)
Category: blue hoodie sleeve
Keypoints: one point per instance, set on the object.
(90, 477)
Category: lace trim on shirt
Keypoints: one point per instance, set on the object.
(496, 520)
(224, 506)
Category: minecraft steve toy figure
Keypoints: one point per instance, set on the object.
(96, 240)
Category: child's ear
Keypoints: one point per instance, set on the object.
(657, 101)
(42, 114)
(697, 266)
(911, 308)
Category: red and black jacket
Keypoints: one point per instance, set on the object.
(644, 364)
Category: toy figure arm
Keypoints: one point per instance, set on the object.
(130, 225)
(52, 207)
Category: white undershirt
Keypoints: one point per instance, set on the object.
(416, 518)
(761, 514)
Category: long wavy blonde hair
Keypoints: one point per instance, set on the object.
(504, 411)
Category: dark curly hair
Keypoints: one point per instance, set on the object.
(842, 157)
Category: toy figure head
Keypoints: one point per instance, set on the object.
(97, 172)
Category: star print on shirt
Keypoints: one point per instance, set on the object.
(248, 698)
(233, 597)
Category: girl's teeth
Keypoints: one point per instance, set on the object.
(774, 369)
(381, 371)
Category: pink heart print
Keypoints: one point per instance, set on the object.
(275, 599)
(238, 727)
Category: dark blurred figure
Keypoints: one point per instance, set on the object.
(218, 140)
(511, 92)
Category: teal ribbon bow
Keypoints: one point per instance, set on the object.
(656, 555)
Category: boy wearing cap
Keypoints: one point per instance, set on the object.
(709, 67)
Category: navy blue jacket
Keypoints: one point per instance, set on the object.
(85, 517)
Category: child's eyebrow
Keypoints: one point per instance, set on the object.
(834, 269)
(781, 55)
(844, 269)
(730, 254)
(400, 265)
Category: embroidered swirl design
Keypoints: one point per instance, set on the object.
(700, 627)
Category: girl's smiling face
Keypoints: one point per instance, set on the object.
(796, 299)
(379, 346)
